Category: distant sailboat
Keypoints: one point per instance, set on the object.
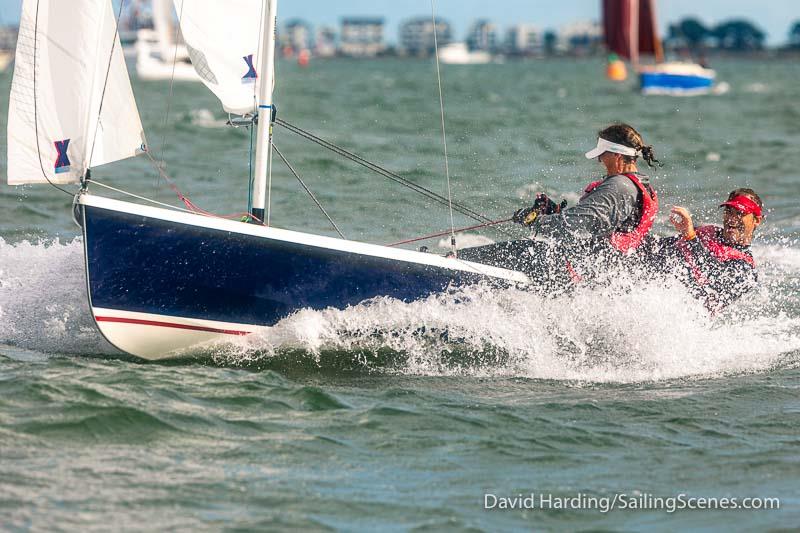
(164, 282)
(631, 31)
(158, 55)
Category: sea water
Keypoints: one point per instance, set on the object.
(421, 415)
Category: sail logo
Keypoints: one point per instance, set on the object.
(62, 160)
(251, 75)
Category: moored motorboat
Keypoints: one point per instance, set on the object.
(676, 79)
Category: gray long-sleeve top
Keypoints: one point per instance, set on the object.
(614, 205)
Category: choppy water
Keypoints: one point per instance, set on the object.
(403, 416)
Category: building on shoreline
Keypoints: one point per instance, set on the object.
(362, 37)
(483, 36)
(524, 40)
(580, 38)
(325, 42)
(297, 36)
(416, 36)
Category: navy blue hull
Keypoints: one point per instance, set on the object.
(148, 265)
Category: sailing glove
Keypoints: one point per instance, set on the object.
(543, 205)
(525, 216)
(546, 206)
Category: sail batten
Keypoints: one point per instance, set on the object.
(224, 40)
(71, 104)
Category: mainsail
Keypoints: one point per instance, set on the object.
(630, 28)
(71, 105)
(224, 41)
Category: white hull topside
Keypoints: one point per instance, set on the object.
(158, 337)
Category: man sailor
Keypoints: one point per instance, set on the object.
(714, 262)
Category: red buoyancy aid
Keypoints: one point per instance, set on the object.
(709, 237)
(627, 242)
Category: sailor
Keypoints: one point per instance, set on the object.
(614, 214)
(714, 262)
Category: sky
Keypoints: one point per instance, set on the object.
(775, 17)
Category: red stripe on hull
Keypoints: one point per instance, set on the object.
(168, 325)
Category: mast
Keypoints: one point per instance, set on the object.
(263, 166)
(633, 32)
(658, 46)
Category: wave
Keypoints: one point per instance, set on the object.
(622, 332)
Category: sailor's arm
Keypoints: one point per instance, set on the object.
(596, 215)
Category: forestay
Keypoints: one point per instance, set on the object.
(64, 69)
(224, 42)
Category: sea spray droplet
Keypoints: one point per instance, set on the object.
(43, 299)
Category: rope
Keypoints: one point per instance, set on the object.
(191, 206)
(250, 171)
(444, 135)
(451, 230)
(431, 195)
(311, 194)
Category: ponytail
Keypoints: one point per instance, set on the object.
(626, 135)
(649, 155)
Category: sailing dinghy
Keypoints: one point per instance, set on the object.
(630, 31)
(166, 282)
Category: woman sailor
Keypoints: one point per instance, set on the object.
(615, 213)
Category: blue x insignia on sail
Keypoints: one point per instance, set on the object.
(62, 160)
(251, 73)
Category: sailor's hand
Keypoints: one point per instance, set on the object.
(546, 206)
(682, 220)
(525, 216)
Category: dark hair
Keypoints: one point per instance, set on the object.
(625, 134)
(744, 191)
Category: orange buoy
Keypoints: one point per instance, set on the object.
(616, 70)
(303, 57)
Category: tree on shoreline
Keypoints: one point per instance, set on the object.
(739, 36)
(794, 35)
(689, 32)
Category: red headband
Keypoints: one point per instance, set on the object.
(744, 204)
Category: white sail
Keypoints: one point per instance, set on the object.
(64, 69)
(224, 40)
(164, 28)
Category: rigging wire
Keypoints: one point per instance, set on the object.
(171, 89)
(451, 230)
(393, 176)
(105, 82)
(311, 194)
(444, 135)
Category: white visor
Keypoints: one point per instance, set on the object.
(607, 146)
